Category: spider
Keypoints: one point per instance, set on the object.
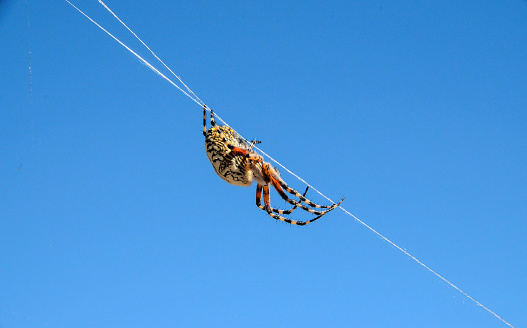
(235, 162)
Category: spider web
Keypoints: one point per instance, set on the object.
(189, 93)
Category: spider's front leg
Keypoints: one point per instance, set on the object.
(266, 208)
(254, 142)
(270, 210)
(302, 198)
(277, 182)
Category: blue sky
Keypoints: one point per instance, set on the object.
(415, 111)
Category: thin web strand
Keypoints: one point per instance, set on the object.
(147, 64)
(32, 113)
(199, 102)
(147, 47)
(139, 57)
(29, 45)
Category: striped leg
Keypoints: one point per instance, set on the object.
(212, 122)
(268, 208)
(302, 198)
(259, 189)
(205, 119)
(277, 183)
(282, 194)
(254, 142)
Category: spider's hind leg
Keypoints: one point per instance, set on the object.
(204, 120)
(212, 122)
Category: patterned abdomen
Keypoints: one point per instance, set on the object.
(231, 167)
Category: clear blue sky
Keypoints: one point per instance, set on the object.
(112, 216)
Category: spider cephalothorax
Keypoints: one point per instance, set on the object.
(235, 162)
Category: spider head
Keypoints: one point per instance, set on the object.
(263, 172)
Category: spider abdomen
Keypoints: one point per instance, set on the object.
(235, 162)
(231, 167)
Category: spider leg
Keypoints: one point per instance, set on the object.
(212, 122)
(254, 142)
(269, 210)
(243, 152)
(259, 189)
(204, 120)
(301, 197)
(277, 183)
(282, 194)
